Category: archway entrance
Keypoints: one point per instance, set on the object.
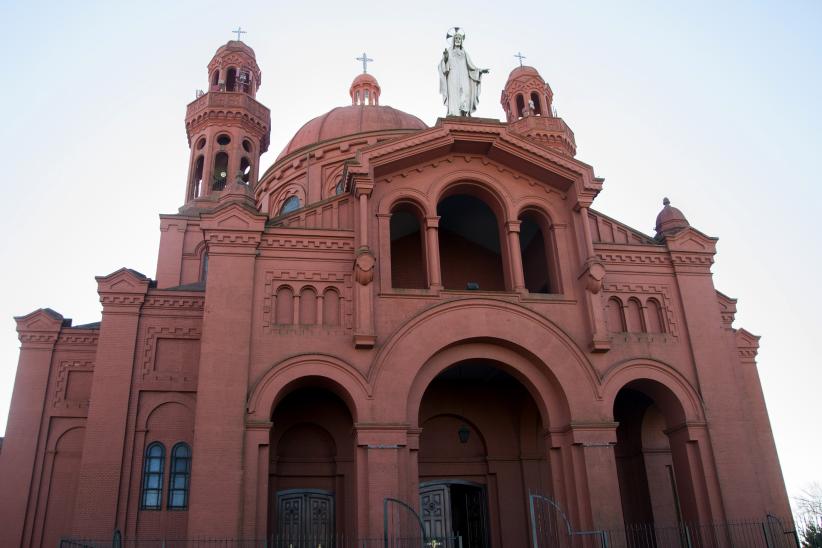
(481, 450)
(655, 485)
(311, 472)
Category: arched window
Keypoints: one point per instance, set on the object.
(152, 496)
(537, 251)
(537, 106)
(179, 477)
(616, 317)
(231, 79)
(204, 268)
(291, 204)
(633, 317)
(331, 307)
(285, 306)
(197, 177)
(407, 249)
(220, 171)
(470, 244)
(245, 169)
(308, 306)
(215, 79)
(653, 316)
(520, 105)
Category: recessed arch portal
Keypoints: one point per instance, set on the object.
(474, 416)
(471, 243)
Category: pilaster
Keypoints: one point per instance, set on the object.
(98, 490)
(38, 333)
(232, 234)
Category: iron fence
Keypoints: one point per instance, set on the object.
(747, 534)
(275, 541)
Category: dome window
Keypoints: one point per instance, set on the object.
(291, 204)
(223, 139)
(246, 145)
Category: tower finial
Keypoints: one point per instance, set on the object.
(666, 201)
(521, 57)
(365, 60)
(239, 32)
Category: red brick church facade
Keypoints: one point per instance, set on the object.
(389, 310)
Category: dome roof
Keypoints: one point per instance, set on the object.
(670, 219)
(364, 78)
(235, 45)
(523, 71)
(350, 120)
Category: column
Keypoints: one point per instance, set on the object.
(515, 255)
(432, 250)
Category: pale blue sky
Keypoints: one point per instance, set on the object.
(716, 105)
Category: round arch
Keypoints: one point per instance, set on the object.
(338, 376)
(544, 388)
(540, 349)
(672, 392)
(479, 185)
(407, 195)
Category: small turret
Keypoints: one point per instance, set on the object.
(227, 128)
(670, 220)
(528, 104)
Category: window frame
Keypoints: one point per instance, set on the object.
(174, 474)
(149, 473)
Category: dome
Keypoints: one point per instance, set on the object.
(523, 71)
(235, 45)
(351, 120)
(364, 78)
(670, 219)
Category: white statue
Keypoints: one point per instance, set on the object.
(459, 77)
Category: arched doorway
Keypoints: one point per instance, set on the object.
(311, 468)
(655, 483)
(481, 450)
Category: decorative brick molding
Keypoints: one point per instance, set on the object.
(624, 257)
(320, 282)
(64, 368)
(153, 334)
(80, 339)
(297, 242)
(168, 301)
(661, 292)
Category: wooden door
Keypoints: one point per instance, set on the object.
(305, 518)
(435, 511)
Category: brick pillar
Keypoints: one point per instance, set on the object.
(595, 471)
(38, 333)
(170, 255)
(232, 234)
(381, 453)
(98, 489)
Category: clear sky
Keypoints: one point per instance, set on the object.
(713, 104)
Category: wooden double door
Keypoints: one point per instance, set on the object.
(455, 508)
(305, 518)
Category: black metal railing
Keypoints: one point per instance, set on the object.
(275, 541)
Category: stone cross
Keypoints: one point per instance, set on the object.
(521, 57)
(365, 60)
(239, 32)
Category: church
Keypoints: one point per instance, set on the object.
(395, 331)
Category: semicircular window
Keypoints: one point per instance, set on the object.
(291, 204)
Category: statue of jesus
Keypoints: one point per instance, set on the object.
(459, 77)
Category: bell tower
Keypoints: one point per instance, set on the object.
(227, 128)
